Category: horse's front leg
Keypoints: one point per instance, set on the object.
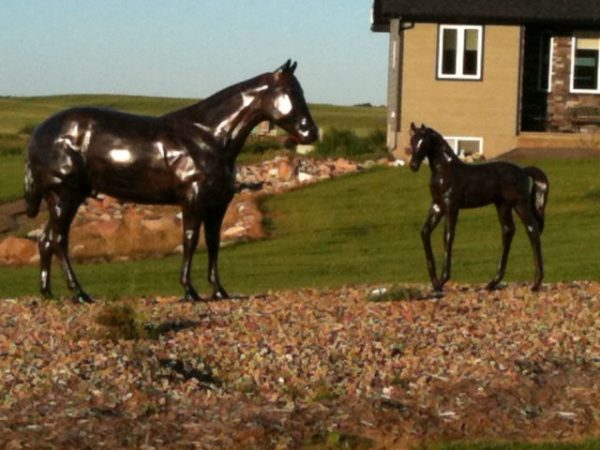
(508, 231)
(449, 232)
(435, 214)
(191, 231)
(213, 221)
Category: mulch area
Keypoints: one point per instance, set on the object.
(291, 368)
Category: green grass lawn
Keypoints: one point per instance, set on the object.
(11, 177)
(364, 228)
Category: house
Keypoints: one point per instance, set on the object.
(493, 75)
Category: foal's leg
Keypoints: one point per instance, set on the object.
(62, 209)
(531, 226)
(508, 231)
(191, 231)
(212, 231)
(449, 232)
(435, 214)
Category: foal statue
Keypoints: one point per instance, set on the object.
(186, 157)
(455, 185)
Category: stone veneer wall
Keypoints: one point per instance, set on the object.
(560, 99)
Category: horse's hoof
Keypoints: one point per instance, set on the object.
(536, 287)
(190, 295)
(47, 294)
(220, 294)
(82, 298)
(191, 298)
(495, 285)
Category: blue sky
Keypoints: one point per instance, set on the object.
(189, 48)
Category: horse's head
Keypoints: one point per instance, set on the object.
(420, 144)
(284, 105)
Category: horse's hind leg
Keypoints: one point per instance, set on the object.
(213, 222)
(46, 250)
(62, 208)
(508, 231)
(532, 229)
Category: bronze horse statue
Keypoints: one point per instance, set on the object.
(186, 157)
(455, 185)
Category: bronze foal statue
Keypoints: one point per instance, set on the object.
(186, 157)
(455, 185)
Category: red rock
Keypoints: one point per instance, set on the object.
(17, 251)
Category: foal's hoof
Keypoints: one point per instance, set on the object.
(81, 298)
(536, 287)
(47, 294)
(495, 285)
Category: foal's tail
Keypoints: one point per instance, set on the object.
(33, 197)
(539, 193)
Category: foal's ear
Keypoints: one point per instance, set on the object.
(413, 128)
(293, 67)
(423, 127)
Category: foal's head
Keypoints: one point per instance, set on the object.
(421, 142)
(285, 106)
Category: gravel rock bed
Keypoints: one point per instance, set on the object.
(288, 369)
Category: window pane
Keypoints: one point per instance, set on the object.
(449, 46)
(586, 69)
(470, 53)
(545, 67)
(468, 147)
(588, 43)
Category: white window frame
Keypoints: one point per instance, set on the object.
(460, 50)
(455, 139)
(572, 83)
(545, 34)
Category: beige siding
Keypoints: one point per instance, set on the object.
(485, 108)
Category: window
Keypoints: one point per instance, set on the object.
(585, 67)
(465, 146)
(459, 52)
(546, 54)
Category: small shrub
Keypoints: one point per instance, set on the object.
(340, 143)
(260, 146)
(27, 129)
(594, 195)
(346, 143)
(122, 322)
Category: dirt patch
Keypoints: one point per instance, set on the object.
(294, 368)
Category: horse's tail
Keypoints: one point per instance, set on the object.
(33, 197)
(539, 193)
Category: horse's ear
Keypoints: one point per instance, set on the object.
(285, 67)
(423, 126)
(293, 67)
(413, 128)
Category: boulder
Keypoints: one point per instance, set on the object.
(18, 251)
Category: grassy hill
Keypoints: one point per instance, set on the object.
(18, 113)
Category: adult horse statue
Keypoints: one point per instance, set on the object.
(186, 157)
(455, 185)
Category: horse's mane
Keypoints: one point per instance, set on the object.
(215, 102)
(445, 147)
